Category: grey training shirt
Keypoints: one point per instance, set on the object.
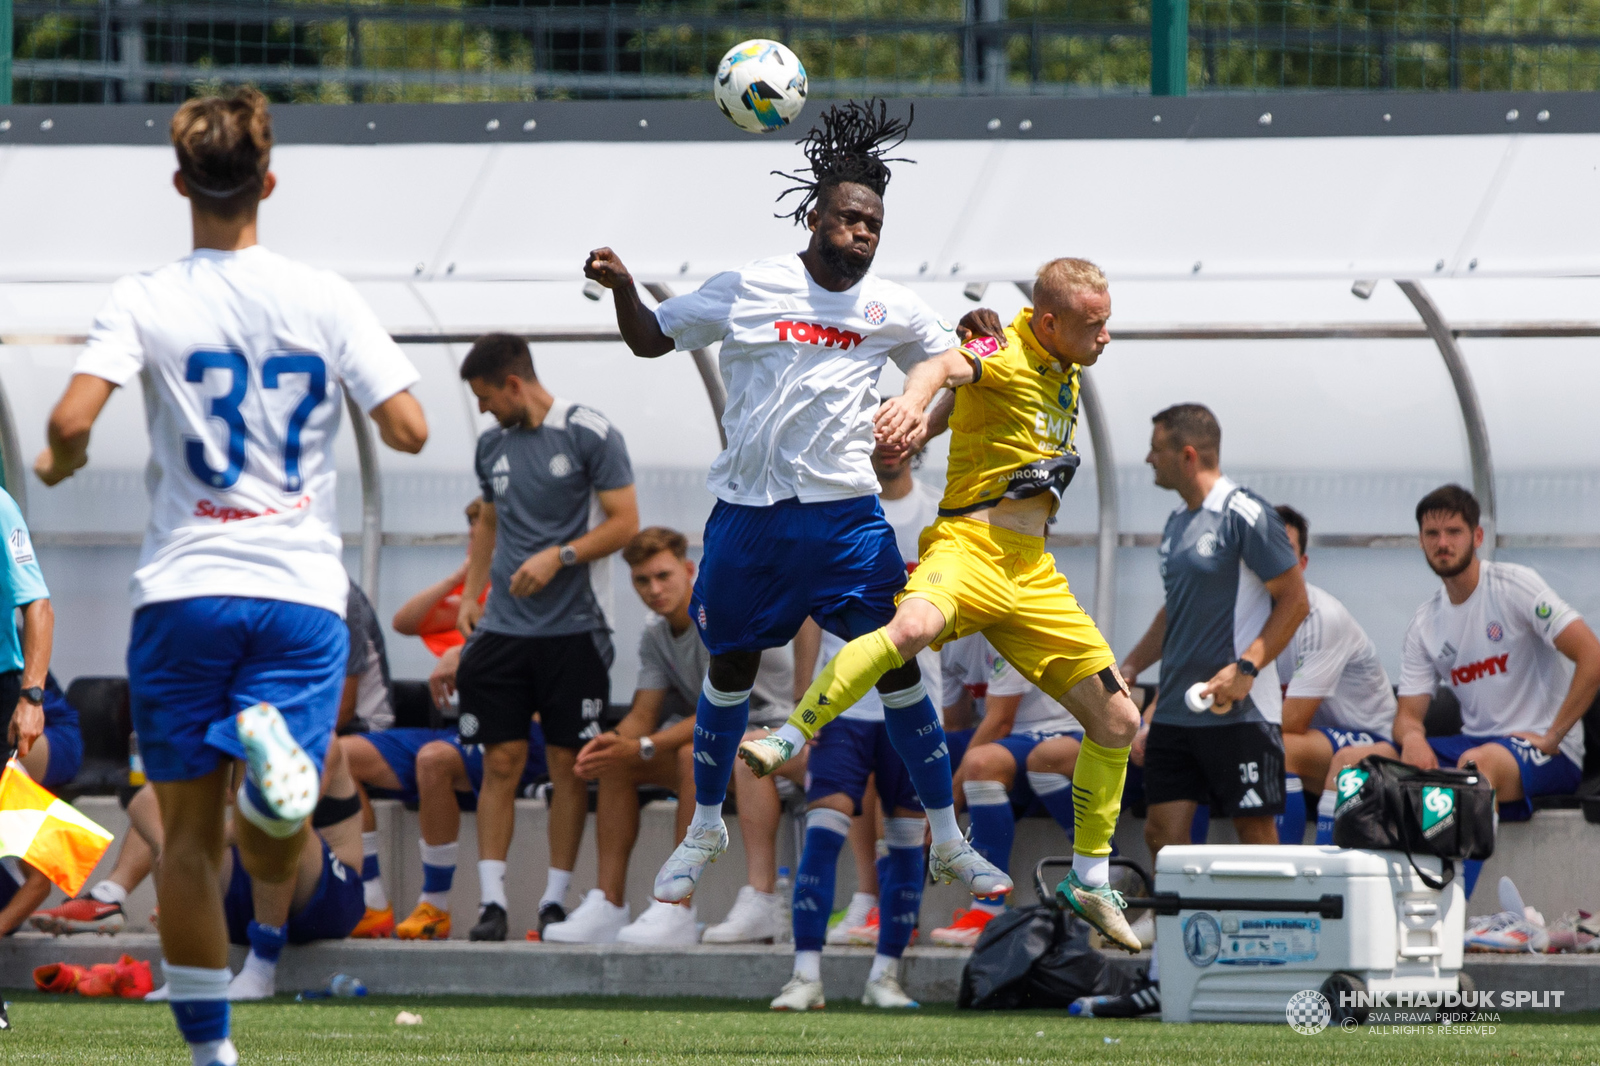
(369, 661)
(541, 482)
(1214, 561)
(678, 663)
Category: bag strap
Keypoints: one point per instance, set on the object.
(1447, 867)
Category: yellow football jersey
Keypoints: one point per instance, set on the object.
(1011, 432)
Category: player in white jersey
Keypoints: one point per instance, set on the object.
(1023, 750)
(238, 647)
(1496, 634)
(1338, 706)
(797, 531)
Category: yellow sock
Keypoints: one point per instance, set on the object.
(845, 680)
(1097, 796)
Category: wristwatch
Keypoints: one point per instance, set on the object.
(1245, 666)
(34, 694)
(569, 555)
(647, 749)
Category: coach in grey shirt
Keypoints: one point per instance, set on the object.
(541, 644)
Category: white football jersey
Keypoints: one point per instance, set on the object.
(1497, 651)
(972, 662)
(244, 357)
(1331, 658)
(910, 515)
(801, 365)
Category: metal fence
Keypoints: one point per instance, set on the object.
(454, 50)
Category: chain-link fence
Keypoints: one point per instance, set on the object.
(450, 50)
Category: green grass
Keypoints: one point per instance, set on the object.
(704, 1032)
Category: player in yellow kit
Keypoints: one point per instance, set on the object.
(984, 566)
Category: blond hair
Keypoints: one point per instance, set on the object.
(224, 147)
(1060, 278)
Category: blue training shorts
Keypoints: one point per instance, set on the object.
(399, 749)
(1021, 745)
(765, 570)
(331, 913)
(65, 738)
(849, 750)
(1542, 775)
(1352, 738)
(194, 664)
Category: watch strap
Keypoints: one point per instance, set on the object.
(1247, 667)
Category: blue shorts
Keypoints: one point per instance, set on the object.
(399, 749)
(65, 739)
(958, 742)
(1352, 738)
(194, 664)
(845, 753)
(765, 570)
(331, 913)
(1021, 745)
(1542, 775)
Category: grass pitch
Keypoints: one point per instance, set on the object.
(707, 1032)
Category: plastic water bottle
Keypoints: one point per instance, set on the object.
(135, 762)
(784, 890)
(345, 985)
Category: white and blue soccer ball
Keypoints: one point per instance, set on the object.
(761, 86)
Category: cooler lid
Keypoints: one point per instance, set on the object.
(1281, 862)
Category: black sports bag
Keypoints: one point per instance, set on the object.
(1387, 805)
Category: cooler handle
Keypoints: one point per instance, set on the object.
(1229, 868)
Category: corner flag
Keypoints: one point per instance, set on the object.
(47, 833)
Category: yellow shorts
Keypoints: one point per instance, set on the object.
(1005, 585)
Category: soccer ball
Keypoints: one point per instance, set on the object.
(761, 86)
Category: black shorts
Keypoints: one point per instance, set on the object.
(504, 681)
(1236, 768)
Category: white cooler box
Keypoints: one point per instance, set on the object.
(1251, 926)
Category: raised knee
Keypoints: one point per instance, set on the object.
(734, 671)
(1122, 723)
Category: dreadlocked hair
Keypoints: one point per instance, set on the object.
(849, 147)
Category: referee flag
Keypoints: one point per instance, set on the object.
(47, 833)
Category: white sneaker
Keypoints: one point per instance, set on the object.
(255, 980)
(282, 771)
(854, 915)
(753, 920)
(596, 921)
(886, 992)
(160, 995)
(956, 860)
(800, 994)
(681, 872)
(664, 924)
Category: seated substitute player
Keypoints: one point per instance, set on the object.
(1024, 750)
(797, 531)
(245, 358)
(652, 745)
(1338, 705)
(367, 703)
(984, 566)
(432, 613)
(1496, 634)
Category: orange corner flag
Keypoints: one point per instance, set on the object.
(47, 833)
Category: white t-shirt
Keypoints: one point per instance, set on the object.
(244, 357)
(910, 515)
(1331, 658)
(1497, 651)
(801, 366)
(972, 662)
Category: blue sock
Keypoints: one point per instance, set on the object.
(1055, 792)
(1325, 805)
(914, 730)
(813, 884)
(438, 868)
(1292, 822)
(993, 828)
(202, 1020)
(1200, 828)
(1470, 869)
(369, 868)
(266, 941)
(719, 725)
(900, 893)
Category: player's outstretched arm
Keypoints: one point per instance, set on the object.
(904, 419)
(401, 423)
(640, 329)
(69, 426)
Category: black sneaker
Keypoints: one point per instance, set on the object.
(1145, 999)
(550, 912)
(491, 923)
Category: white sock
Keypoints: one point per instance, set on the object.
(1092, 870)
(984, 793)
(108, 892)
(706, 816)
(796, 739)
(1326, 803)
(808, 964)
(214, 1051)
(555, 887)
(942, 820)
(372, 892)
(492, 882)
(1045, 784)
(866, 899)
(882, 964)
